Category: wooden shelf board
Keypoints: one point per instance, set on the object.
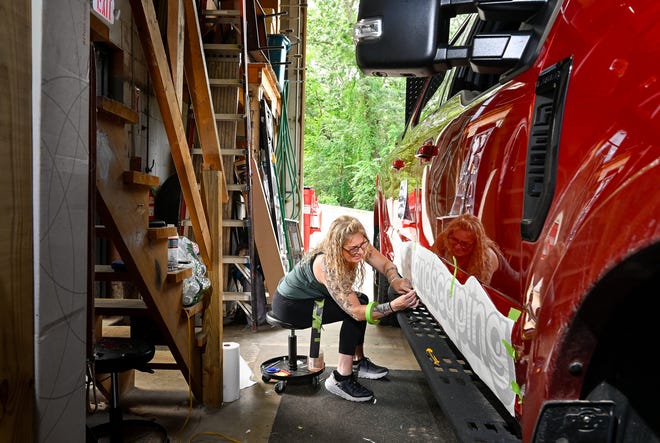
(161, 233)
(119, 307)
(117, 109)
(179, 275)
(106, 273)
(140, 178)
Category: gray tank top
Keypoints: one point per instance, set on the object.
(300, 283)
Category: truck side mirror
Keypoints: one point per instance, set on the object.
(396, 39)
(393, 38)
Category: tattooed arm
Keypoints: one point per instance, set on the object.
(343, 294)
(381, 264)
(340, 289)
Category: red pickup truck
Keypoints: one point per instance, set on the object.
(542, 119)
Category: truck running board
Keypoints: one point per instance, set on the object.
(466, 401)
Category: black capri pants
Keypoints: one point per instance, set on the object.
(299, 312)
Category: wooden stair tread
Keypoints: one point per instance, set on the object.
(161, 233)
(152, 233)
(116, 109)
(179, 275)
(223, 20)
(232, 151)
(235, 259)
(163, 365)
(230, 223)
(219, 82)
(140, 178)
(220, 47)
(194, 309)
(236, 296)
(120, 306)
(229, 117)
(210, 13)
(106, 273)
(237, 187)
(111, 307)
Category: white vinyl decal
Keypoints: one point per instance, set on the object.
(467, 315)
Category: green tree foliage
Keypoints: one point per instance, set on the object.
(351, 121)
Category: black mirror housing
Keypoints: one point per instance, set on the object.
(409, 38)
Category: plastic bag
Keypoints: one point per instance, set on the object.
(195, 286)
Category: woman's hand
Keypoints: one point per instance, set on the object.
(401, 285)
(405, 301)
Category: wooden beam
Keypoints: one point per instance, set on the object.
(154, 52)
(175, 45)
(212, 358)
(200, 93)
(18, 420)
(264, 237)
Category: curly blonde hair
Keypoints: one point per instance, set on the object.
(341, 229)
(478, 262)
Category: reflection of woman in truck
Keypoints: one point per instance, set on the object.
(465, 241)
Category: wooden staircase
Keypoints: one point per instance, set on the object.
(225, 88)
(122, 205)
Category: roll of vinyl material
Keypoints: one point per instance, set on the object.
(231, 371)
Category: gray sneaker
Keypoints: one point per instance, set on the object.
(365, 368)
(348, 389)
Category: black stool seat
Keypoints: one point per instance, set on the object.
(291, 367)
(118, 354)
(274, 321)
(113, 355)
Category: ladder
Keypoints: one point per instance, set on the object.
(252, 227)
(226, 63)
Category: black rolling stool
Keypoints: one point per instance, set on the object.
(291, 368)
(113, 355)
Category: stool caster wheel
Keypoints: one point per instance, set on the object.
(280, 386)
(265, 379)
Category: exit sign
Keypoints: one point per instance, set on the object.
(105, 8)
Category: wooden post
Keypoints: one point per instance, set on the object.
(212, 361)
(18, 417)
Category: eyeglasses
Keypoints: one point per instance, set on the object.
(355, 250)
(465, 244)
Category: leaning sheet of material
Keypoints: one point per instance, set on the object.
(403, 410)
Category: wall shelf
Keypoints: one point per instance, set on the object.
(113, 108)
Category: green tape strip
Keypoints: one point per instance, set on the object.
(317, 314)
(451, 289)
(509, 349)
(516, 390)
(514, 314)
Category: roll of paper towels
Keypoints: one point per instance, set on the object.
(231, 371)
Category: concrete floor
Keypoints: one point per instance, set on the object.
(164, 395)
